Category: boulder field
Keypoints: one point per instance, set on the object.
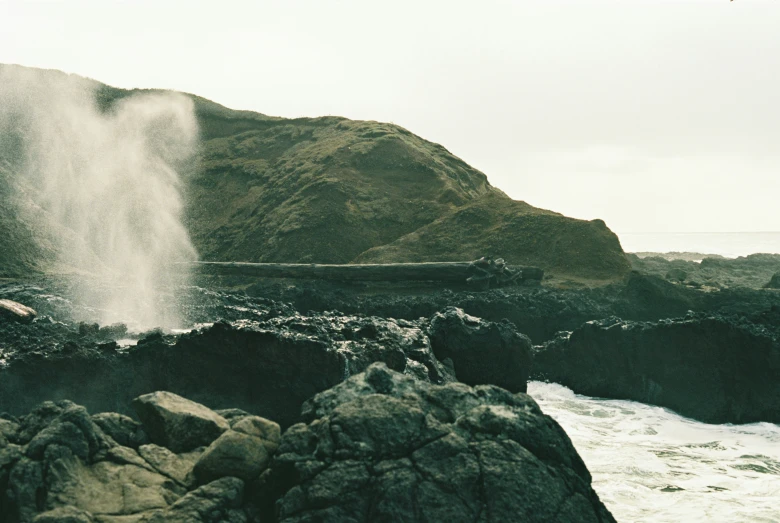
(380, 446)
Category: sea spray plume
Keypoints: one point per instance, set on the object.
(112, 178)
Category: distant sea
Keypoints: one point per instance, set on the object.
(728, 244)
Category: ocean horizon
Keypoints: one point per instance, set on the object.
(728, 244)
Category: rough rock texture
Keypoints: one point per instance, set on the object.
(59, 466)
(243, 452)
(710, 270)
(178, 423)
(66, 514)
(385, 447)
(122, 429)
(227, 456)
(715, 369)
(175, 466)
(13, 311)
(64, 466)
(482, 352)
(217, 502)
(268, 367)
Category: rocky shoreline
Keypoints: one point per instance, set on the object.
(370, 393)
(380, 446)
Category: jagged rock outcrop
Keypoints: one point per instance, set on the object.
(217, 502)
(178, 423)
(716, 272)
(122, 429)
(57, 465)
(269, 367)
(482, 352)
(243, 452)
(715, 369)
(382, 446)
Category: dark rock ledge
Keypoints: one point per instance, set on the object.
(270, 367)
(381, 446)
(713, 368)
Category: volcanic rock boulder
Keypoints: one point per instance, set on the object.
(243, 452)
(482, 352)
(62, 465)
(57, 465)
(178, 423)
(122, 429)
(178, 467)
(714, 369)
(217, 502)
(382, 446)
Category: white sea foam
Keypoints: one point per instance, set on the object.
(651, 465)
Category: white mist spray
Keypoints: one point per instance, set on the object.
(112, 179)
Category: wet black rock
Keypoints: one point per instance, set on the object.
(714, 271)
(268, 367)
(382, 446)
(715, 369)
(538, 312)
(482, 352)
(774, 282)
(676, 275)
(645, 297)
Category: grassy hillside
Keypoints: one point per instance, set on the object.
(518, 232)
(321, 190)
(333, 190)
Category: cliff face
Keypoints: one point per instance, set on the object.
(332, 190)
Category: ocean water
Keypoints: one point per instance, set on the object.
(729, 244)
(652, 465)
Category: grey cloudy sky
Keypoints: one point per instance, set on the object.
(652, 115)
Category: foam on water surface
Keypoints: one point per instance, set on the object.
(652, 465)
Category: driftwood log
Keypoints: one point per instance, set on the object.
(390, 272)
(13, 311)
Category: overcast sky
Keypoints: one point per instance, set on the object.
(652, 115)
